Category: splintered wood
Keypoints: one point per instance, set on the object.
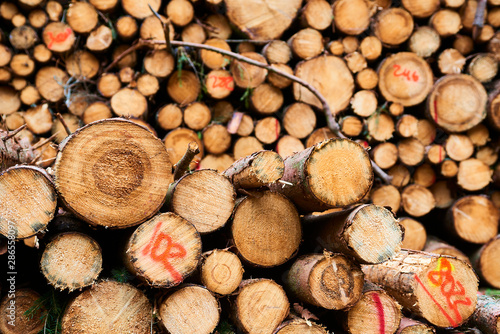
(249, 166)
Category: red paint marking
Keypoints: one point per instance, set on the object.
(277, 129)
(443, 278)
(60, 37)
(435, 111)
(450, 319)
(380, 310)
(172, 250)
(222, 82)
(398, 72)
(440, 153)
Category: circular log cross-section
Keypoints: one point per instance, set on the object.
(266, 229)
(22, 313)
(108, 307)
(376, 312)
(113, 173)
(457, 102)
(204, 198)
(300, 326)
(71, 261)
(261, 305)
(329, 280)
(191, 309)
(440, 289)
(405, 78)
(221, 271)
(28, 202)
(410, 326)
(164, 250)
(484, 261)
(334, 173)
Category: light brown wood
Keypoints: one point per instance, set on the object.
(59, 130)
(246, 75)
(278, 51)
(424, 175)
(10, 100)
(424, 41)
(21, 314)
(193, 33)
(126, 27)
(288, 145)
(183, 87)
(177, 261)
(385, 155)
(446, 22)
(24, 37)
(216, 139)
(332, 78)
(218, 162)
(205, 198)
(266, 99)
(463, 44)
(245, 146)
(39, 119)
(330, 280)
(483, 67)
(451, 61)
(139, 8)
(387, 196)
(219, 84)
(197, 116)
(104, 5)
(129, 102)
(415, 234)
(479, 135)
(176, 142)
(459, 147)
(449, 168)
(221, 271)
(180, 12)
(437, 246)
(436, 154)
(306, 43)
(487, 155)
(405, 78)
(267, 130)
(108, 84)
(393, 26)
(421, 9)
(96, 111)
(371, 48)
(22, 65)
(417, 200)
(124, 309)
(100, 39)
(169, 117)
(367, 79)
(214, 60)
(152, 28)
(81, 17)
(351, 126)
(49, 81)
(54, 9)
(356, 62)
(58, 37)
(421, 289)
(380, 126)
(351, 17)
(473, 174)
(484, 259)
(314, 173)
(29, 201)
(190, 309)
(220, 24)
(300, 326)
(106, 200)
(411, 326)
(317, 14)
(246, 126)
(400, 175)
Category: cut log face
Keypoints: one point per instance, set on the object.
(410, 326)
(115, 183)
(331, 76)
(369, 233)
(108, 307)
(316, 173)
(164, 250)
(28, 202)
(262, 19)
(191, 309)
(221, 271)
(415, 234)
(266, 229)
(260, 306)
(352, 17)
(474, 219)
(376, 312)
(405, 78)
(457, 102)
(205, 198)
(256, 170)
(300, 326)
(71, 261)
(329, 280)
(487, 257)
(393, 26)
(176, 142)
(26, 321)
(58, 37)
(50, 83)
(441, 289)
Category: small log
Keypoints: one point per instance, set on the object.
(183, 87)
(129, 102)
(218, 162)
(407, 126)
(164, 266)
(189, 309)
(260, 306)
(479, 135)
(245, 146)
(71, 261)
(61, 129)
(417, 200)
(176, 142)
(435, 154)
(267, 130)
(108, 84)
(486, 316)
(425, 284)
(367, 79)
(456, 102)
(22, 65)
(369, 233)
(385, 155)
(328, 280)
(220, 24)
(306, 43)
(140, 9)
(28, 201)
(371, 48)
(219, 84)
(256, 170)
(216, 139)
(277, 80)
(446, 22)
(316, 171)
(421, 9)
(197, 116)
(159, 63)
(39, 119)
(451, 61)
(483, 67)
(246, 126)
(20, 313)
(214, 60)
(405, 78)
(411, 151)
(221, 271)
(318, 136)
(81, 17)
(415, 234)
(98, 186)
(277, 51)
(246, 75)
(449, 168)
(388, 196)
(351, 126)
(411, 326)
(180, 12)
(473, 174)
(108, 307)
(473, 219)
(54, 10)
(266, 229)
(50, 83)
(100, 39)
(464, 44)
(10, 100)
(169, 117)
(393, 26)
(58, 36)
(204, 198)
(380, 126)
(459, 147)
(426, 132)
(351, 17)
(299, 120)
(288, 145)
(266, 99)
(194, 33)
(424, 175)
(437, 246)
(29, 95)
(300, 326)
(425, 41)
(95, 112)
(484, 260)
(24, 37)
(104, 5)
(376, 312)
(364, 103)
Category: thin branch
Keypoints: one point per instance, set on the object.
(13, 133)
(63, 122)
(166, 29)
(380, 173)
(183, 165)
(478, 24)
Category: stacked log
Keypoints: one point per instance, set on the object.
(212, 166)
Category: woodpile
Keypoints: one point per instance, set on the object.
(257, 166)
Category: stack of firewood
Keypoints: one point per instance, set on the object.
(257, 166)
